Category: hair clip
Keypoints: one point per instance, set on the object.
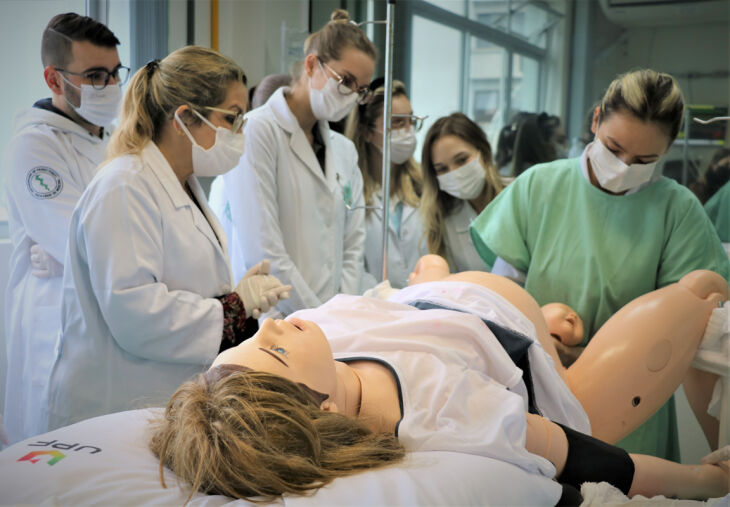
(151, 67)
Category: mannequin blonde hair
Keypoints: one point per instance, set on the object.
(194, 76)
(648, 95)
(406, 178)
(254, 435)
(436, 205)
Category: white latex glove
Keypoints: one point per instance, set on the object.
(259, 291)
(44, 265)
(722, 454)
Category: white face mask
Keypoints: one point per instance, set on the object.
(328, 103)
(613, 174)
(402, 145)
(98, 107)
(466, 182)
(219, 158)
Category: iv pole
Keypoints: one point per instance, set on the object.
(387, 113)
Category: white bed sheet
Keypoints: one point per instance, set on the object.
(105, 460)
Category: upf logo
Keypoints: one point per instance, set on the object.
(56, 456)
(31, 456)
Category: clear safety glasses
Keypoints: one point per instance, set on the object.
(235, 118)
(400, 121)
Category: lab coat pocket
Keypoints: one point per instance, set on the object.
(46, 348)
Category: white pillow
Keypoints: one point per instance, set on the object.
(105, 460)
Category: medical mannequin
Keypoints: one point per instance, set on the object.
(54, 153)
(405, 229)
(654, 338)
(148, 294)
(287, 200)
(459, 180)
(619, 229)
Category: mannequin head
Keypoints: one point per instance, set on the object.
(563, 323)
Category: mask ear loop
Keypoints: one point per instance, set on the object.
(185, 128)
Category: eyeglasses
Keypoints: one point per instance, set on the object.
(400, 121)
(100, 77)
(235, 118)
(347, 85)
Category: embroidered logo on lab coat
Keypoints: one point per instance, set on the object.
(44, 183)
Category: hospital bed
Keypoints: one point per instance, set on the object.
(105, 461)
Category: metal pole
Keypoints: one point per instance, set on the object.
(388, 99)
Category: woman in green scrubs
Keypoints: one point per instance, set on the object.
(597, 231)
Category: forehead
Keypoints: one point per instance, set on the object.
(448, 146)
(85, 55)
(401, 105)
(634, 134)
(355, 62)
(250, 355)
(236, 96)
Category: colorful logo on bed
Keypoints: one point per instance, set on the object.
(33, 457)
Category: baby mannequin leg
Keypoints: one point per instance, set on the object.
(642, 353)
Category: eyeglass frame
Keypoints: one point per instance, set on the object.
(416, 120)
(363, 92)
(109, 75)
(240, 117)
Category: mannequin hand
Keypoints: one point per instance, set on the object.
(260, 292)
(42, 264)
(716, 457)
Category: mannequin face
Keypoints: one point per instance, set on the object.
(563, 323)
(236, 100)
(632, 140)
(400, 105)
(450, 152)
(294, 349)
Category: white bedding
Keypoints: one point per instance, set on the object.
(105, 460)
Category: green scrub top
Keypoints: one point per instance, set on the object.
(718, 209)
(596, 252)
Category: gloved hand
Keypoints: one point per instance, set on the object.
(44, 265)
(259, 291)
(722, 454)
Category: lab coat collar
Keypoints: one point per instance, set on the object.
(408, 211)
(34, 116)
(207, 223)
(298, 141)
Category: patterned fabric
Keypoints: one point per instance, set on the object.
(236, 327)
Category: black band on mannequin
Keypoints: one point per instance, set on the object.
(591, 460)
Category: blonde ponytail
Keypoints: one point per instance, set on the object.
(193, 76)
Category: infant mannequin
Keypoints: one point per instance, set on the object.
(566, 328)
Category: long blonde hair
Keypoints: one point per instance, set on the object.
(329, 41)
(649, 95)
(436, 205)
(194, 76)
(249, 434)
(405, 179)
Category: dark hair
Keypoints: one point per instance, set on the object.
(506, 139)
(534, 142)
(63, 29)
(715, 177)
(266, 88)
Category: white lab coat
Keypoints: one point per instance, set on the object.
(48, 163)
(404, 250)
(139, 313)
(459, 245)
(281, 206)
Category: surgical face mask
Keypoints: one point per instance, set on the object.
(613, 174)
(219, 158)
(402, 145)
(98, 107)
(466, 182)
(328, 103)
